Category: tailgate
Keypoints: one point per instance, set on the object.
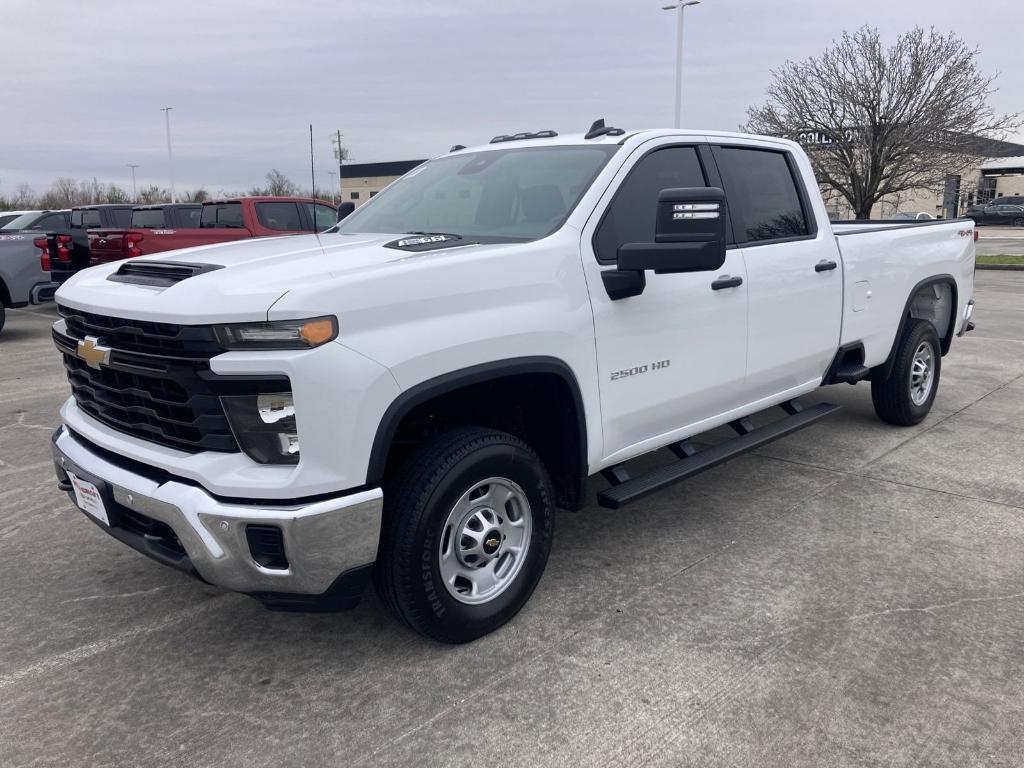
(106, 245)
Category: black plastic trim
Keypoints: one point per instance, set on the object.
(344, 594)
(841, 353)
(449, 382)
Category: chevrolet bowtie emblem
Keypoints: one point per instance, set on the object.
(89, 349)
(492, 543)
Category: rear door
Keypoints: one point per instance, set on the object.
(794, 272)
(674, 355)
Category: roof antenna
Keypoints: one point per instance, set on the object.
(598, 129)
(312, 174)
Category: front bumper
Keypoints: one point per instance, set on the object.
(329, 544)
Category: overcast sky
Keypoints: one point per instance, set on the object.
(83, 83)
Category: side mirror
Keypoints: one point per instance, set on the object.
(344, 209)
(689, 236)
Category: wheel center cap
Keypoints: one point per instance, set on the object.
(491, 542)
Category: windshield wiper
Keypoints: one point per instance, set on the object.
(444, 234)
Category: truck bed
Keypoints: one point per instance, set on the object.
(882, 260)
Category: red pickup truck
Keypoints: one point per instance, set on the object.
(157, 228)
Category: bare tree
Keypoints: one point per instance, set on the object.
(280, 185)
(877, 121)
(199, 195)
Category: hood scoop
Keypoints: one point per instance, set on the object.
(159, 274)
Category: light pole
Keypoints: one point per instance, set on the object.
(681, 6)
(170, 157)
(135, 191)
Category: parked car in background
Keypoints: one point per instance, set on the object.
(39, 221)
(23, 276)
(68, 253)
(913, 216)
(216, 221)
(8, 216)
(996, 215)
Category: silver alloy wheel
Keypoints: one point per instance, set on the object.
(485, 540)
(922, 373)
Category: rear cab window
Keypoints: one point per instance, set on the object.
(766, 202)
(85, 219)
(222, 215)
(148, 218)
(188, 218)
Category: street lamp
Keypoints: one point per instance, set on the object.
(135, 192)
(681, 6)
(170, 157)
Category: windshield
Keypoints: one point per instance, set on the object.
(510, 195)
(21, 222)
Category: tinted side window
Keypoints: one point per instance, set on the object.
(188, 217)
(283, 217)
(148, 218)
(50, 222)
(221, 215)
(763, 197)
(631, 216)
(323, 216)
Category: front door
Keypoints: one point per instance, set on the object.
(674, 355)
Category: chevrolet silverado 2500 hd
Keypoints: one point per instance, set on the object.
(407, 397)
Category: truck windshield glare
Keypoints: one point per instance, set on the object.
(510, 195)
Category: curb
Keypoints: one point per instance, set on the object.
(1005, 267)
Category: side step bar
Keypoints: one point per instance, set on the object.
(693, 461)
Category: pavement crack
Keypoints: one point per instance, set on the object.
(114, 595)
(931, 610)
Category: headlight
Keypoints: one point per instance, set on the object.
(264, 426)
(278, 334)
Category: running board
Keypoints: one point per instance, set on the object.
(692, 461)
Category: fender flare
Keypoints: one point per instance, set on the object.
(409, 399)
(886, 368)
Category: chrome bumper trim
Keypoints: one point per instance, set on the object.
(322, 539)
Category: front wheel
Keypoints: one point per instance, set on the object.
(1018, 222)
(905, 397)
(468, 523)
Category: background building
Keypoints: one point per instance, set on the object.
(361, 181)
(996, 169)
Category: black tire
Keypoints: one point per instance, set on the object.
(1018, 222)
(892, 396)
(417, 504)
(3, 315)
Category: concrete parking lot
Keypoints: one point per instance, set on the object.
(1006, 241)
(850, 595)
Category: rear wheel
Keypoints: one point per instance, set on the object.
(3, 315)
(905, 397)
(467, 531)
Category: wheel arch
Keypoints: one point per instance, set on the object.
(945, 339)
(568, 469)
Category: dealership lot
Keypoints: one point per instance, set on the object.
(850, 595)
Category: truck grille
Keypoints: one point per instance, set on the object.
(169, 397)
(198, 341)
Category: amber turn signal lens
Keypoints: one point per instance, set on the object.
(317, 332)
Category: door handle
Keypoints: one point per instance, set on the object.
(825, 265)
(726, 282)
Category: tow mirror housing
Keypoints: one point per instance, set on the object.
(689, 236)
(344, 209)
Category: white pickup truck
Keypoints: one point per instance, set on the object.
(407, 397)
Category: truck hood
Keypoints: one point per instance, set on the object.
(251, 276)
